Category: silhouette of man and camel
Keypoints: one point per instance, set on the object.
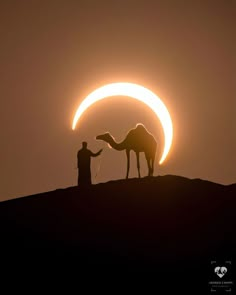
(137, 139)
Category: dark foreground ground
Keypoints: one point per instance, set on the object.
(170, 225)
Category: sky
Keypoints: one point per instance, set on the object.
(54, 53)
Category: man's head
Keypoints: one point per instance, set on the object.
(84, 144)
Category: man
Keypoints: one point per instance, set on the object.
(83, 163)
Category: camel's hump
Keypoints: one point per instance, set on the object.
(140, 128)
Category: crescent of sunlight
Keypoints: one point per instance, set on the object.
(134, 91)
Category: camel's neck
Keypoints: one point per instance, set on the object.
(117, 146)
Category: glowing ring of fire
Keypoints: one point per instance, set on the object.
(134, 91)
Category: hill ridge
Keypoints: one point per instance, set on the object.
(139, 223)
(169, 177)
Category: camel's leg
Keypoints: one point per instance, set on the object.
(138, 164)
(148, 164)
(151, 167)
(128, 162)
(153, 162)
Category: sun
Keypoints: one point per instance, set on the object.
(137, 92)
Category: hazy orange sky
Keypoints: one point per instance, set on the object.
(54, 53)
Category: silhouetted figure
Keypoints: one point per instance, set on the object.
(83, 163)
(138, 140)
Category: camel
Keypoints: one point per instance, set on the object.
(139, 140)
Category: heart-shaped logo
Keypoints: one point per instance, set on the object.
(220, 271)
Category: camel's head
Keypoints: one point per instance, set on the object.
(105, 137)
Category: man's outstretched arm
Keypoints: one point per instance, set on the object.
(97, 154)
